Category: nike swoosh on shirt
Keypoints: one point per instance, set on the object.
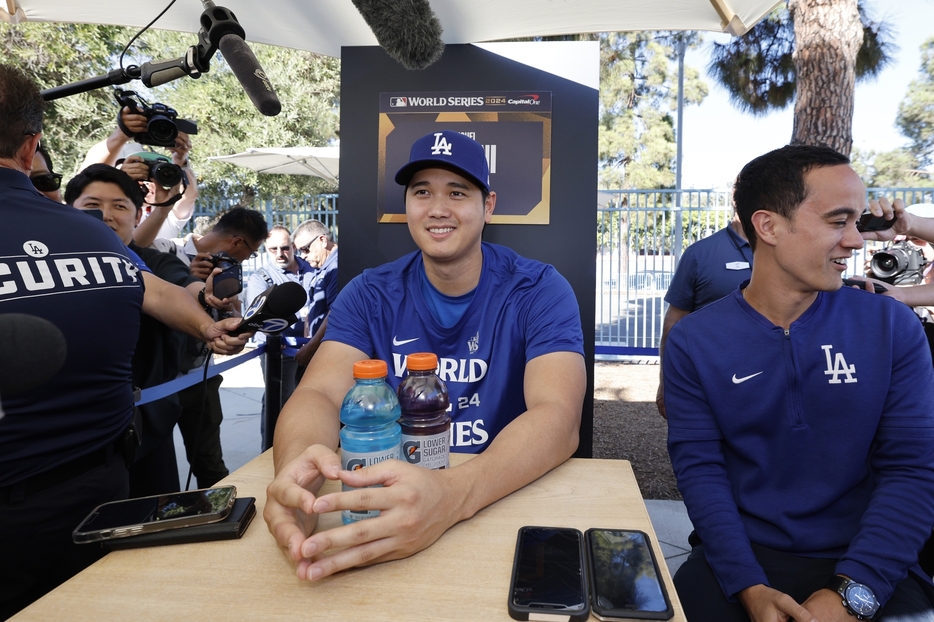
(396, 342)
(744, 379)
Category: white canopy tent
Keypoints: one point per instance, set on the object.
(323, 26)
(317, 161)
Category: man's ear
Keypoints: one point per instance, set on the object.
(489, 206)
(765, 222)
(27, 151)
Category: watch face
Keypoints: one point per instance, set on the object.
(861, 600)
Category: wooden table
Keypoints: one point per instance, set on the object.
(463, 576)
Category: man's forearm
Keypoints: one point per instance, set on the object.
(174, 306)
(915, 295)
(311, 416)
(147, 231)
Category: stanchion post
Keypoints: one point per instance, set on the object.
(273, 387)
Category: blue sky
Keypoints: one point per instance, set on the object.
(719, 139)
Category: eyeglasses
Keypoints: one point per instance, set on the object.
(47, 182)
(305, 249)
(253, 251)
(278, 249)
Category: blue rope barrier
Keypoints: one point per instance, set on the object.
(194, 377)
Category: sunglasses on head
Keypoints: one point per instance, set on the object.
(47, 182)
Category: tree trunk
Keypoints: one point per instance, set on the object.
(828, 35)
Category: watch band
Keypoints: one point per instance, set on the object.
(840, 585)
(837, 584)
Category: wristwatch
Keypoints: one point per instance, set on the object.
(858, 599)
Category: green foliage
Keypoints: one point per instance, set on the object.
(307, 85)
(638, 105)
(758, 70)
(60, 54)
(898, 168)
(916, 112)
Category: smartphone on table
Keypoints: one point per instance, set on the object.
(549, 577)
(625, 581)
(130, 517)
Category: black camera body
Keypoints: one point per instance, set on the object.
(161, 169)
(163, 125)
(230, 281)
(899, 263)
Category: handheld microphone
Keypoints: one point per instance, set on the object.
(274, 310)
(251, 76)
(408, 31)
(32, 350)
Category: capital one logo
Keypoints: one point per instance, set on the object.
(836, 366)
(441, 146)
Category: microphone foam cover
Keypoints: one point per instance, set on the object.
(285, 299)
(408, 31)
(32, 350)
(252, 78)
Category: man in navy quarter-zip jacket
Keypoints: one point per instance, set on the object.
(800, 425)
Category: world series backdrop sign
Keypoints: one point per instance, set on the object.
(513, 127)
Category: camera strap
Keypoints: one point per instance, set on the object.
(123, 128)
(167, 202)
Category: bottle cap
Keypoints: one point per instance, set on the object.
(371, 368)
(421, 361)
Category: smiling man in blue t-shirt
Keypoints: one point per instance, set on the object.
(508, 337)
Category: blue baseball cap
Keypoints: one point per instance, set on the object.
(447, 149)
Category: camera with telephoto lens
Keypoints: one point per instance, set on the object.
(900, 263)
(161, 169)
(163, 123)
(230, 281)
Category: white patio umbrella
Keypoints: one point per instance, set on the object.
(318, 161)
(323, 26)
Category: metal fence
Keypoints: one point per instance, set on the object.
(641, 235)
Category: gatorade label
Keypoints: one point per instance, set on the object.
(430, 451)
(352, 461)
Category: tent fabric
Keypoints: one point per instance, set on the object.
(316, 161)
(324, 26)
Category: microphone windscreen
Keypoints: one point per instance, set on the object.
(32, 350)
(252, 78)
(408, 31)
(286, 299)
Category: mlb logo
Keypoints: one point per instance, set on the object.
(398, 102)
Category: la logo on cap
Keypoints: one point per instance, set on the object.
(441, 146)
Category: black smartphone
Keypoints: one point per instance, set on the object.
(625, 582)
(130, 517)
(869, 222)
(549, 577)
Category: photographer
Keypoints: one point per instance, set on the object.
(236, 236)
(158, 221)
(912, 226)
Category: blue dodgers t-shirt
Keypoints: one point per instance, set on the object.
(62, 265)
(521, 309)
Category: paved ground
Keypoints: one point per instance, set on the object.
(626, 426)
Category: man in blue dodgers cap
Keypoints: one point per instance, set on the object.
(508, 337)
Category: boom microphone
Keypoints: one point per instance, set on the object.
(32, 350)
(274, 310)
(251, 76)
(408, 31)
